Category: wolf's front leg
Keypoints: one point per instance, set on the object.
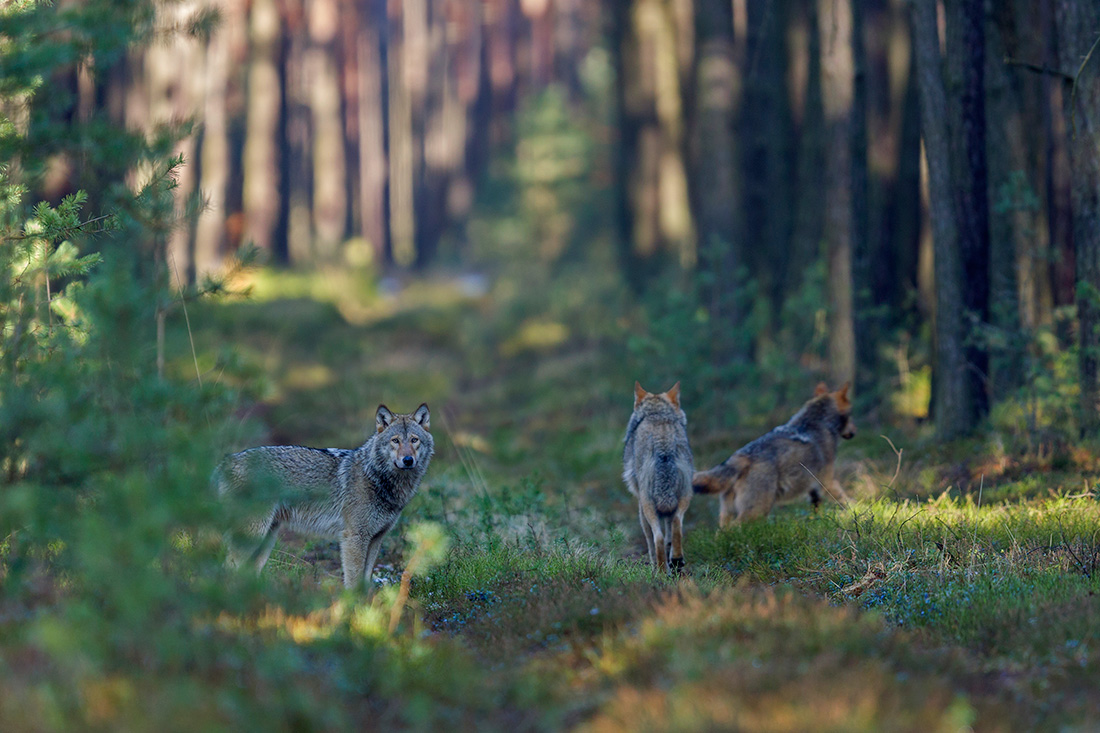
(651, 523)
(353, 557)
(372, 553)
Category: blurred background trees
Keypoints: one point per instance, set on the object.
(901, 193)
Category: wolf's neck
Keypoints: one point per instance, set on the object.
(394, 485)
(810, 414)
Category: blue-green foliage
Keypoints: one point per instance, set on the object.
(679, 339)
(110, 558)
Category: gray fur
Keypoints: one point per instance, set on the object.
(355, 496)
(657, 468)
(793, 460)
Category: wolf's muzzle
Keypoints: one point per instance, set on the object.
(408, 461)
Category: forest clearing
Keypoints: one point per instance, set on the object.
(227, 225)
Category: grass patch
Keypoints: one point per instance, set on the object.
(958, 591)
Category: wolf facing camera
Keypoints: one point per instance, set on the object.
(352, 495)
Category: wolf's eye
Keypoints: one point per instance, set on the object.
(396, 441)
(414, 440)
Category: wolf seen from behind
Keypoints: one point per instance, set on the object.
(791, 461)
(355, 496)
(657, 468)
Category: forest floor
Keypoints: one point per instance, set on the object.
(958, 592)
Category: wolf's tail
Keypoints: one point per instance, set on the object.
(668, 479)
(718, 479)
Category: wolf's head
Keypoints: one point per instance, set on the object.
(648, 402)
(845, 426)
(404, 439)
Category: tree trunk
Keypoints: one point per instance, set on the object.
(972, 191)
(329, 155)
(1078, 24)
(296, 141)
(262, 164)
(904, 215)
(210, 234)
(809, 198)
(835, 19)
(655, 222)
(863, 321)
(444, 134)
(373, 129)
(408, 81)
(1010, 223)
(765, 133)
(716, 195)
(952, 401)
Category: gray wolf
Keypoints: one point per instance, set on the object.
(355, 496)
(789, 462)
(657, 468)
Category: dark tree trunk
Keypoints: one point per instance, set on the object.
(809, 198)
(1010, 223)
(1078, 24)
(903, 216)
(972, 192)
(720, 257)
(952, 400)
(765, 134)
(864, 324)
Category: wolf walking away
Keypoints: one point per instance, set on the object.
(657, 468)
(355, 496)
(791, 461)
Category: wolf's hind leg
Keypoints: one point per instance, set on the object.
(677, 559)
(832, 486)
(647, 530)
(756, 495)
(259, 557)
(727, 509)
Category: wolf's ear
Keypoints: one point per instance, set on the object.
(639, 393)
(383, 418)
(674, 394)
(821, 389)
(422, 416)
(842, 400)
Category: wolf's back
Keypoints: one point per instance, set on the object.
(292, 466)
(672, 473)
(663, 467)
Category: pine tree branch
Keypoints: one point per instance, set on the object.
(81, 227)
(1073, 92)
(1038, 69)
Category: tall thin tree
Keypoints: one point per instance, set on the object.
(837, 70)
(1078, 23)
(720, 254)
(951, 398)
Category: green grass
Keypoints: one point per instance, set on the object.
(959, 590)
